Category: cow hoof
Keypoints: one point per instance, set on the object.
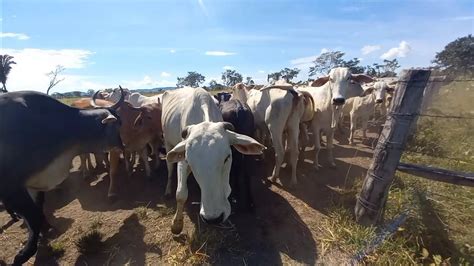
(177, 227)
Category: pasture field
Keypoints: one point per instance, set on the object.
(310, 224)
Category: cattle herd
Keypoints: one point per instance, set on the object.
(211, 137)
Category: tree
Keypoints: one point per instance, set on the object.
(193, 79)
(289, 74)
(6, 63)
(249, 81)
(231, 77)
(325, 62)
(53, 77)
(387, 69)
(457, 57)
(90, 92)
(213, 85)
(273, 76)
(353, 65)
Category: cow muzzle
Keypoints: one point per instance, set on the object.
(338, 101)
(217, 220)
(378, 101)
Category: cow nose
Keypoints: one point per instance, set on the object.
(217, 220)
(379, 101)
(338, 101)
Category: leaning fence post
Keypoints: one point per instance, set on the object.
(406, 103)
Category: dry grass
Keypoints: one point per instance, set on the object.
(438, 228)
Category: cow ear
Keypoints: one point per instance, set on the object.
(367, 91)
(109, 119)
(245, 144)
(177, 154)
(320, 81)
(361, 78)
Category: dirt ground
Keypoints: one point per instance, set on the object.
(283, 229)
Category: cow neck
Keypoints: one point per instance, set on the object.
(241, 95)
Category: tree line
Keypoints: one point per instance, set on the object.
(455, 59)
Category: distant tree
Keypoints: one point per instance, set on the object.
(273, 76)
(289, 74)
(387, 69)
(6, 63)
(231, 77)
(457, 57)
(353, 65)
(249, 81)
(193, 79)
(76, 93)
(53, 77)
(90, 92)
(213, 85)
(325, 62)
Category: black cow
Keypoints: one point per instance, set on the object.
(241, 117)
(39, 137)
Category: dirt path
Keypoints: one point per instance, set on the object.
(283, 230)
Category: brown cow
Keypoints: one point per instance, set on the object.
(140, 127)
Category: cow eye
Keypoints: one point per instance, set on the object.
(227, 158)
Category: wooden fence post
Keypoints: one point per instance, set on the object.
(406, 103)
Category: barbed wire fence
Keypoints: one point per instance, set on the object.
(368, 205)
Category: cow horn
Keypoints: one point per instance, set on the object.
(120, 101)
(228, 126)
(94, 97)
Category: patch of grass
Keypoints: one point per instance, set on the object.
(90, 243)
(204, 245)
(142, 212)
(56, 249)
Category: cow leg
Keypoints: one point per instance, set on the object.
(114, 165)
(277, 135)
(146, 163)
(39, 198)
(292, 139)
(317, 143)
(365, 121)
(181, 197)
(129, 162)
(99, 161)
(170, 167)
(21, 203)
(83, 167)
(353, 128)
(330, 147)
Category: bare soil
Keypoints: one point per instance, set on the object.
(283, 229)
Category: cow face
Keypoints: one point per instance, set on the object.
(378, 89)
(340, 81)
(207, 150)
(139, 124)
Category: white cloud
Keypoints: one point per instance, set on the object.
(219, 53)
(305, 62)
(401, 51)
(165, 74)
(324, 50)
(203, 7)
(462, 18)
(261, 71)
(368, 49)
(18, 36)
(172, 51)
(147, 83)
(228, 68)
(29, 72)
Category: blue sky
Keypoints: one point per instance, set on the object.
(145, 43)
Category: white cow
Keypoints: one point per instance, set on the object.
(329, 93)
(199, 141)
(277, 108)
(137, 99)
(364, 106)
